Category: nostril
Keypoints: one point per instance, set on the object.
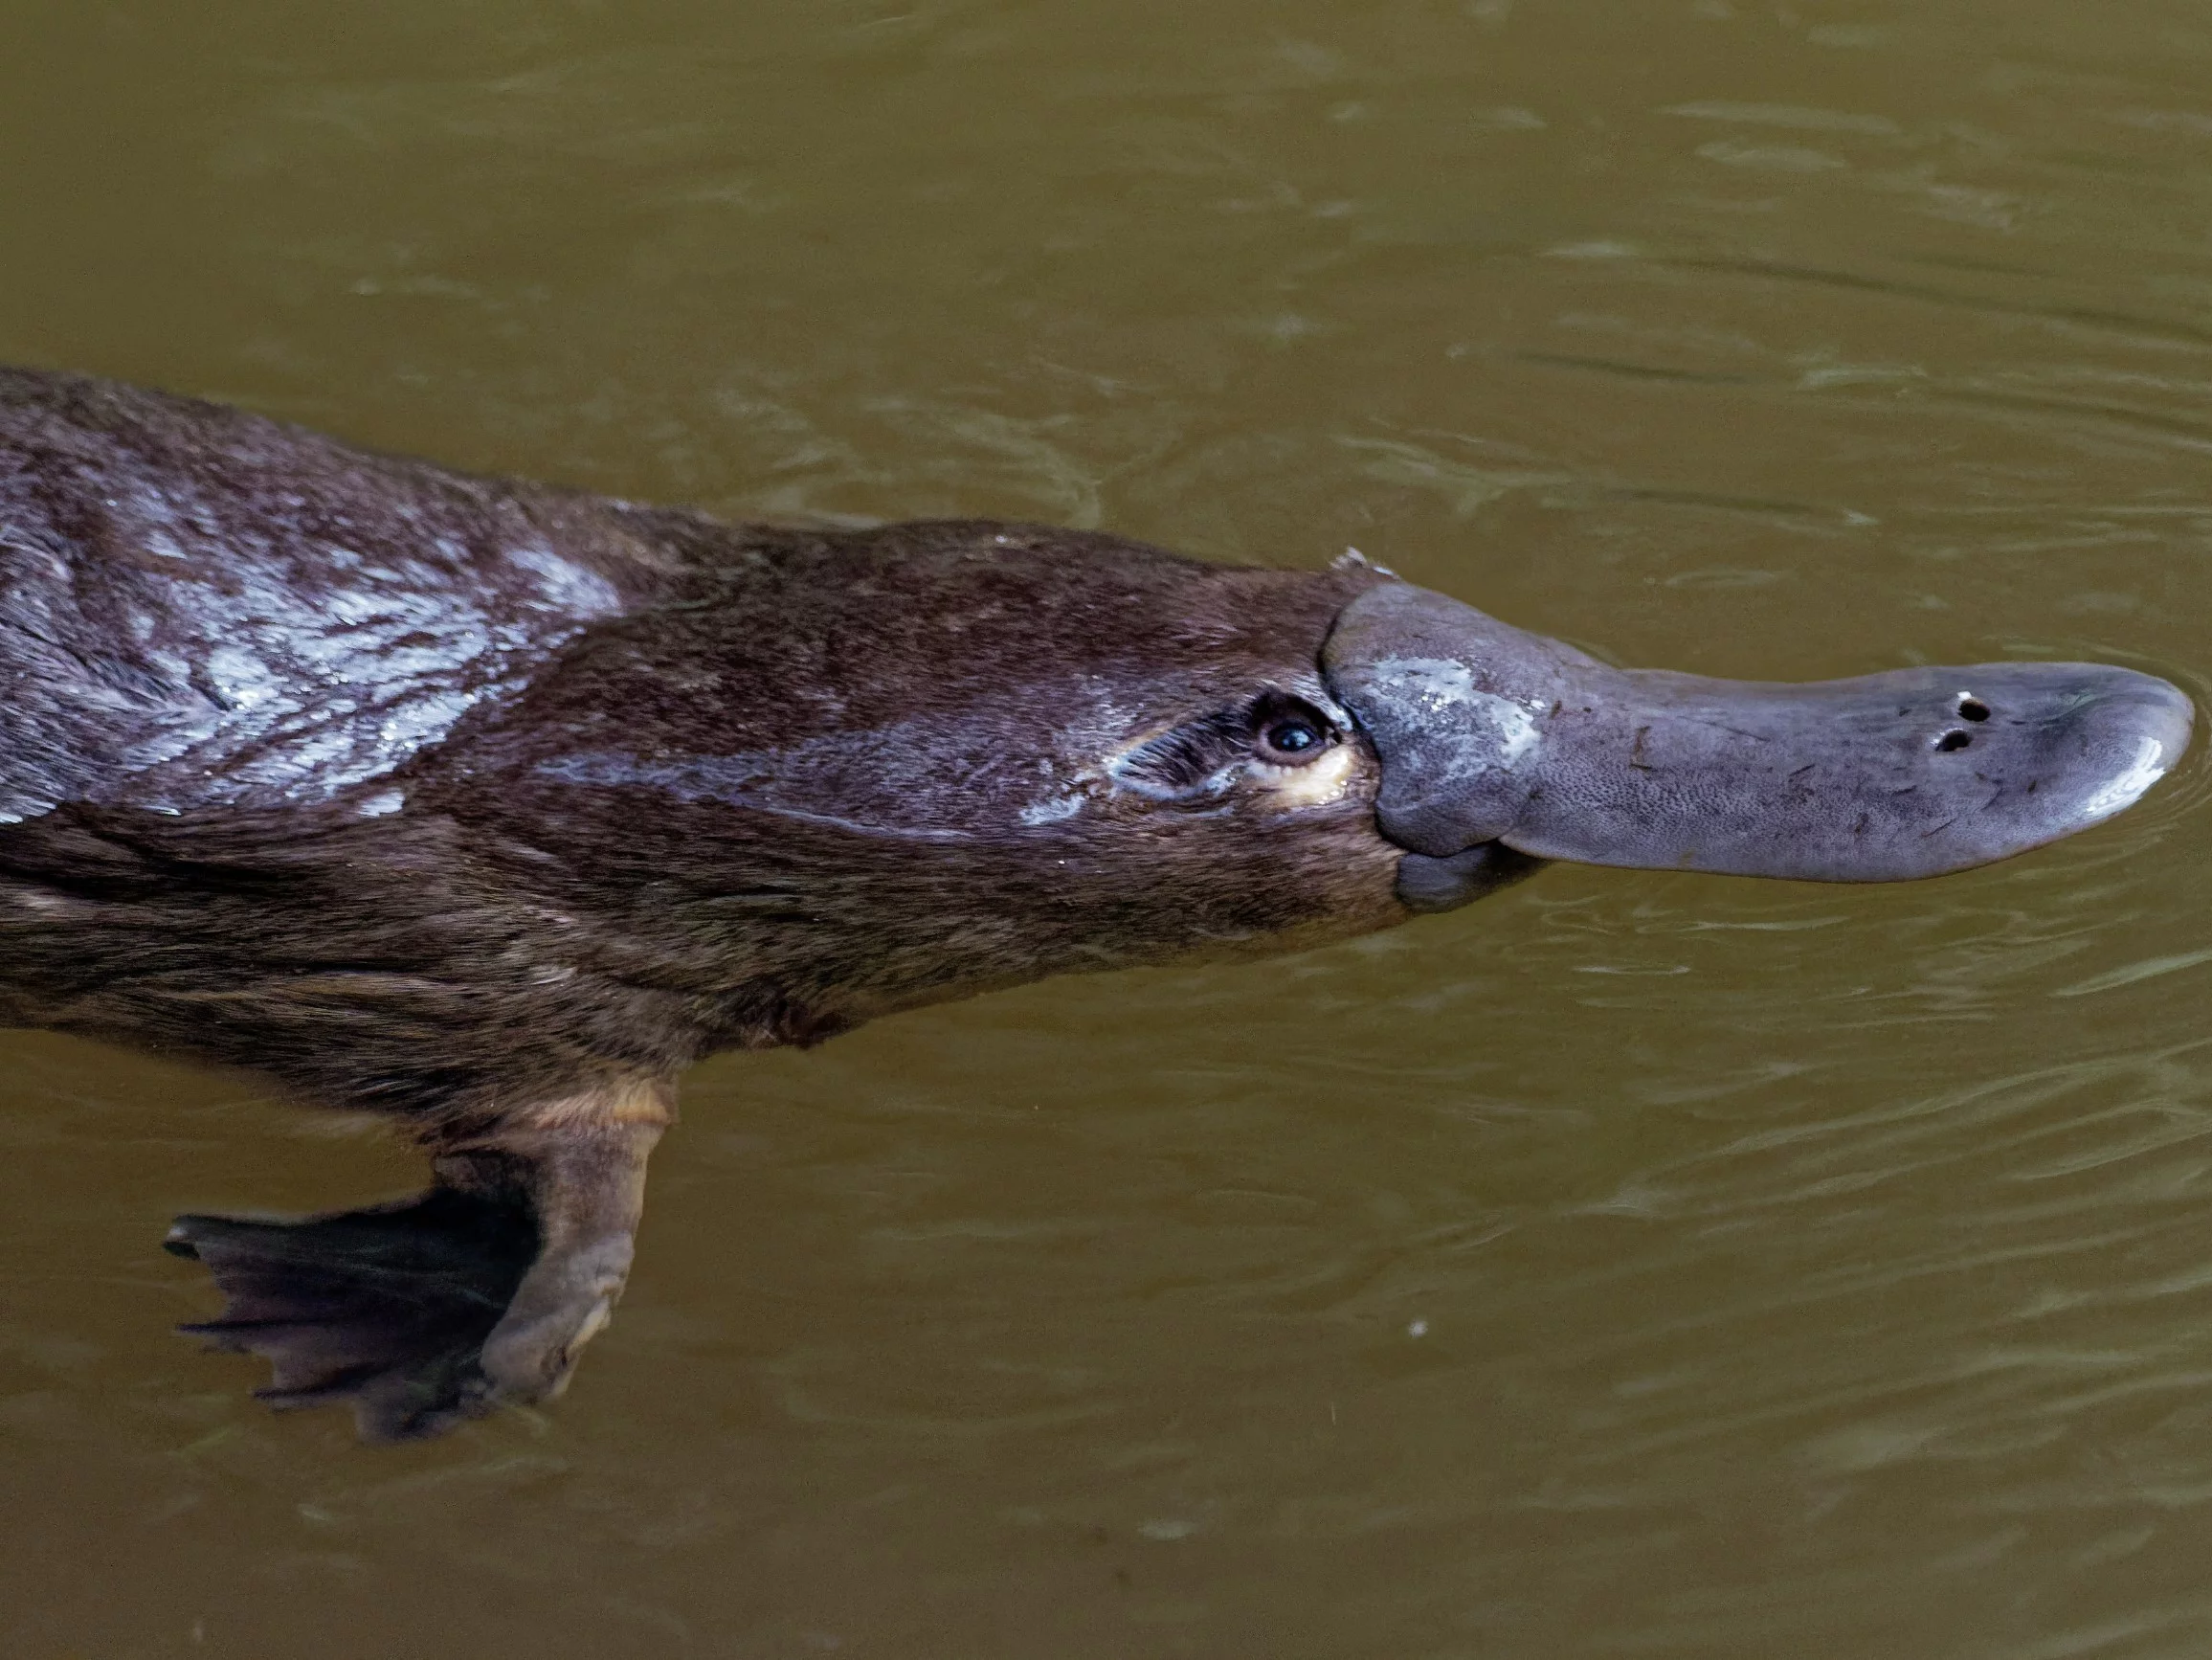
(1954, 740)
(1973, 708)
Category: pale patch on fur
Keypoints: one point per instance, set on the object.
(1314, 785)
(1051, 812)
(381, 803)
(632, 1101)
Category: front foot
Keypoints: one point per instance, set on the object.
(437, 1309)
(389, 1308)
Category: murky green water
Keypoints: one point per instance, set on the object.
(1627, 1266)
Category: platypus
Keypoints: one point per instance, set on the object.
(492, 807)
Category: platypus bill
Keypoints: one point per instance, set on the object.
(493, 807)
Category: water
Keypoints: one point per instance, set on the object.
(1630, 1265)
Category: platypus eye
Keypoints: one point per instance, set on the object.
(1202, 759)
(1288, 731)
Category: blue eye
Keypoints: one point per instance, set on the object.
(1291, 737)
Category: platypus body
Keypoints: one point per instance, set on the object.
(493, 806)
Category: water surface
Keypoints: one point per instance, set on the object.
(1630, 1265)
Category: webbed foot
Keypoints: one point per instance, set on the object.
(388, 1308)
(428, 1312)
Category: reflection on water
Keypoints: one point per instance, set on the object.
(1629, 1264)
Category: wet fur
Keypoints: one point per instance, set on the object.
(708, 786)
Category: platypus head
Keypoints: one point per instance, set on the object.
(1483, 750)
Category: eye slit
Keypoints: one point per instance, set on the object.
(1180, 763)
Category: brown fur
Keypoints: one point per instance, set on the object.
(493, 807)
(533, 919)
